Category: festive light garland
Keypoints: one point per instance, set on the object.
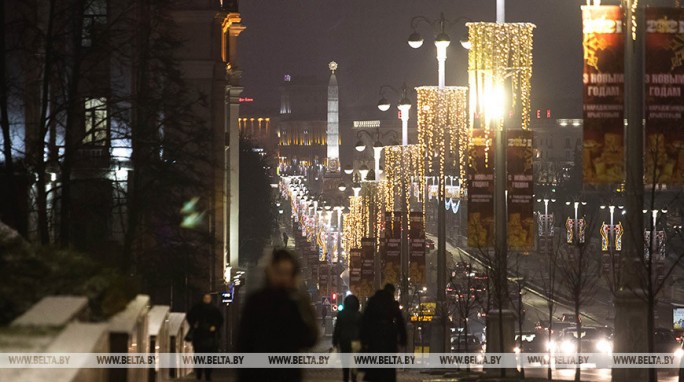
(443, 127)
(401, 164)
(499, 51)
(354, 229)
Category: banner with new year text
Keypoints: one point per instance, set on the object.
(664, 78)
(603, 94)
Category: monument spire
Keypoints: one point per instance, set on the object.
(333, 129)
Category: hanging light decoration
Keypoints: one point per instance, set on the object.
(499, 51)
(401, 164)
(443, 128)
(353, 228)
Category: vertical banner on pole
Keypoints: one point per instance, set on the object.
(520, 189)
(367, 268)
(480, 190)
(314, 266)
(355, 265)
(603, 79)
(664, 77)
(323, 270)
(417, 249)
(392, 255)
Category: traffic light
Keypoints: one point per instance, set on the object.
(333, 299)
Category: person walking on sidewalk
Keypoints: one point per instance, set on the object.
(277, 318)
(205, 321)
(285, 239)
(382, 331)
(347, 333)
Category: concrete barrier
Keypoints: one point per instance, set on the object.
(54, 311)
(75, 338)
(178, 328)
(128, 333)
(158, 324)
(53, 325)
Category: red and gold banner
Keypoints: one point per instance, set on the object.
(603, 79)
(417, 249)
(355, 264)
(391, 269)
(520, 189)
(664, 78)
(480, 189)
(367, 268)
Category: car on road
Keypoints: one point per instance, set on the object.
(429, 244)
(529, 342)
(591, 339)
(543, 326)
(459, 341)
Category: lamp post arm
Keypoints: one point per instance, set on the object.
(360, 133)
(383, 87)
(451, 23)
(417, 19)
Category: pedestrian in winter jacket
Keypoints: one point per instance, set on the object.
(382, 331)
(205, 321)
(347, 333)
(278, 318)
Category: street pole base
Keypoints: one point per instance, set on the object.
(494, 345)
(630, 333)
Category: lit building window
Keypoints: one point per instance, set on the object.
(95, 121)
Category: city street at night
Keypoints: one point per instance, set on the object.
(388, 190)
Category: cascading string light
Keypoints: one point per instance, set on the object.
(498, 51)
(443, 129)
(401, 164)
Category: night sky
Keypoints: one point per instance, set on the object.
(367, 38)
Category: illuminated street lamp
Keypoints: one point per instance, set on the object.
(575, 227)
(404, 107)
(442, 40)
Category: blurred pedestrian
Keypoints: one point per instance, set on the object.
(347, 333)
(205, 321)
(285, 239)
(278, 318)
(382, 331)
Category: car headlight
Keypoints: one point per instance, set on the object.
(679, 353)
(604, 346)
(568, 347)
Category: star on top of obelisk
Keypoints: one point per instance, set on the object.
(333, 66)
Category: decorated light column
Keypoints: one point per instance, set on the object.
(500, 70)
(442, 137)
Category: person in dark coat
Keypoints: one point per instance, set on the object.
(205, 321)
(347, 331)
(278, 318)
(382, 331)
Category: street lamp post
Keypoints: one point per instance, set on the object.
(404, 107)
(377, 146)
(630, 336)
(442, 42)
(576, 225)
(610, 235)
(546, 231)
